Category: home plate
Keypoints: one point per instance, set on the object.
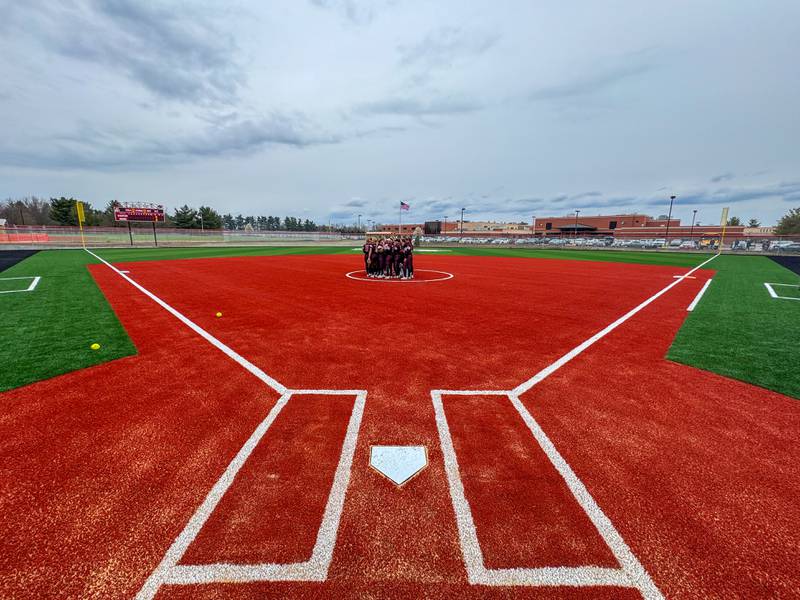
(398, 463)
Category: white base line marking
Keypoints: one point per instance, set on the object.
(547, 371)
(696, 300)
(30, 288)
(278, 387)
(774, 294)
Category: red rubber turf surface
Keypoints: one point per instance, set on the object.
(102, 468)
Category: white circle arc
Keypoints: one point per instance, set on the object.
(446, 276)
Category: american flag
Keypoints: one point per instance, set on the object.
(404, 206)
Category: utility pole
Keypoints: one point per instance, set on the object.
(669, 218)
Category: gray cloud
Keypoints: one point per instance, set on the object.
(173, 52)
(419, 108)
(358, 12)
(722, 177)
(599, 79)
(446, 46)
(106, 149)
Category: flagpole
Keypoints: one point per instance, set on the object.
(400, 221)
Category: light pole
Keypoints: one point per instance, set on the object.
(359, 223)
(462, 221)
(691, 231)
(533, 224)
(445, 225)
(669, 218)
(200, 216)
(575, 233)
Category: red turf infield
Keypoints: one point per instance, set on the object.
(105, 466)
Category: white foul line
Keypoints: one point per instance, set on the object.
(547, 371)
(702, 291)
(278, 387)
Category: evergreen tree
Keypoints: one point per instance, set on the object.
(62, 211)
(789, 223)
(228, 222)
(185, 218)
(211, 218)
(754, 223)
(734, 222)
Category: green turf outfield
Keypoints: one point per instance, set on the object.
(48, 332)
(740, 331)
(737, 330)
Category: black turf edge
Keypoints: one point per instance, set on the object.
(790, 262)
(8, 258)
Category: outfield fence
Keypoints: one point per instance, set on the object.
(145, 235)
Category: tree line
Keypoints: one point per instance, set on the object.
(33, 210)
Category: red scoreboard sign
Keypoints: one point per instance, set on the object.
(139, 212)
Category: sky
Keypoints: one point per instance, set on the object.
(327, 109)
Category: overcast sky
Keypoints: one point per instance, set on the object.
(325, 109)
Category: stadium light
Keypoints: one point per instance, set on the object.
(575, 233)
(359, 222)
(462, 221)
(691, 231)
(669, 218)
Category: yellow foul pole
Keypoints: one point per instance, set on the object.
(81, 219)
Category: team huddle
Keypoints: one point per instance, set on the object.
(389, 258)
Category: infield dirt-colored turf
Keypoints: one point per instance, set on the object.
(698, 473)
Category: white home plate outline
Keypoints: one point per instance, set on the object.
(350, 275)
(631, 573)
(169, 572)
(36, 279)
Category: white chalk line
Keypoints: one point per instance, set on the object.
(579, 349)
(699, 295)
(30, 287)
(631, 574)
(351, 275)
(771, 289)
(168, 572)
(272, 383)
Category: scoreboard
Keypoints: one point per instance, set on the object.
(149, 213)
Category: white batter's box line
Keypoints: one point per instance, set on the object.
(771, 289)
(169, 572)
(35, 281)
(631, 574)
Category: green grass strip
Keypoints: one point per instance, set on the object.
(740, 331)
(48, 331)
